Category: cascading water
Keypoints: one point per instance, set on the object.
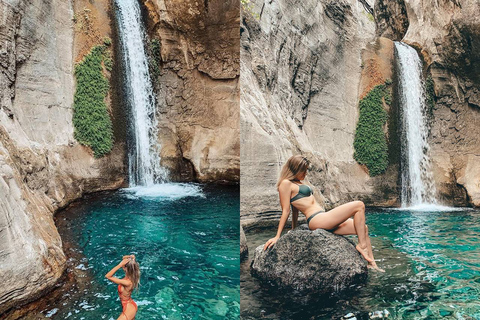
(418, 186)
(144, 158)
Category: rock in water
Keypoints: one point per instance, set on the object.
(311, 262)
(243, 245)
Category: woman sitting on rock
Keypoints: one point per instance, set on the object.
(126, 285)
(297, 194)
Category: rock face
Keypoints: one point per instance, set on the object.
(300, 85)
(391, 19)
(447, 35)
(42, 167)
(243, 245)
(310, 262)
(197, 86)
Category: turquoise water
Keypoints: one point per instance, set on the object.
(432, 263)
(186, 240)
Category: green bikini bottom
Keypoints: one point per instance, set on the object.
(313, 215)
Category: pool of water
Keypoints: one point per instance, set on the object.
(432, 263)
(186, 240)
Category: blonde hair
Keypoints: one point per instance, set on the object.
(132, 271)
(294, 165)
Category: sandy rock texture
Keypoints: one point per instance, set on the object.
(301, 78)
(42, 167)
(324, 263)
(197, 87)
(447, 36)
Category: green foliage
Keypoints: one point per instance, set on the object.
(107, 60)
(388, 97)
(93, 126)
(370, 16)
(247, 7)
(107, 41)
(430, 92)
(370, 142)
(154, 59)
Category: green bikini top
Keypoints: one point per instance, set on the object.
(303, 191)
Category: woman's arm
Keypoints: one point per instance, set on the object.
(294, 217)
(284, 193)
(110, 274)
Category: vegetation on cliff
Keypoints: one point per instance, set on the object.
(430, 93)
(370, 142)
(154, 59)
(93, 126)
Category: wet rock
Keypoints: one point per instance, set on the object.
(391, 19)
(243, 245)
(311, 262)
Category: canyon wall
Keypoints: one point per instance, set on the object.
(195, 46)
(42, 167)
(302, 73)
(447, 36)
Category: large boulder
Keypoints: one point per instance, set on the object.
(243, 245)
(310, 262)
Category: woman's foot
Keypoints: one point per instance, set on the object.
(373, 265)
(364, 253)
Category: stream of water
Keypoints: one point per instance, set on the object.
(432, 263)
(144, 149)
(418, 187)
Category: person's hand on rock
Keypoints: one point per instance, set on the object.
(270, 243)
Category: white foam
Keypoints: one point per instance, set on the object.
(143, 302)
(51, 313)
(166, 191)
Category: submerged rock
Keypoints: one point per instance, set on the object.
(243, 245)
(317, 262)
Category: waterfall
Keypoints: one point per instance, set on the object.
(417, 181)
(144, 154)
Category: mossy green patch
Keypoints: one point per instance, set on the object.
(91, 120)
(107, 60)
(154, 58)
(370, 143)
(248, 7)
(430, 92)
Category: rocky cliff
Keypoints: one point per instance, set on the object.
(447, 36)
(42, 167)
(195, 57)
(302, 73)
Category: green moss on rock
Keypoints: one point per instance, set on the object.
(154, 58)
(430, 92)
(370, 143)
(91, 120)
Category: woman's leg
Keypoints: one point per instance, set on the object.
(334, 218)
(369, 245)
(348, 228)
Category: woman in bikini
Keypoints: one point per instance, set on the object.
(299, 196)
(126, 285)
